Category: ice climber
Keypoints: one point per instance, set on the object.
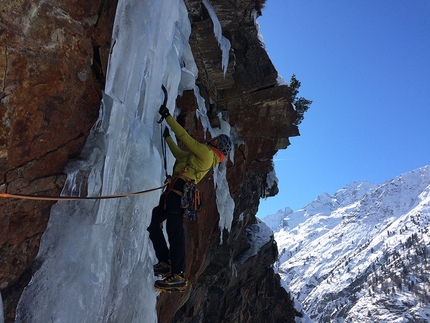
(190, 168)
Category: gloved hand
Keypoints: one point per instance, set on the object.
(166, 133)
(164, 112)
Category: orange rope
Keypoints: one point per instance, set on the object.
(75, 198)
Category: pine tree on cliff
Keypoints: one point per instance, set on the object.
(300, 104)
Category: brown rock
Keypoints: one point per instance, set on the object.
(52, 63)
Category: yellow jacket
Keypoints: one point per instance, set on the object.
(199, 161)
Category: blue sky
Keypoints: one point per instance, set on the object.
(366, 67)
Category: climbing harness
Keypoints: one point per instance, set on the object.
(190, 196)
(75, 198)
(171, 183)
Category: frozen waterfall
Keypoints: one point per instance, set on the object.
(95, 259)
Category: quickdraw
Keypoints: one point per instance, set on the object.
(190, 196)
(191, 200)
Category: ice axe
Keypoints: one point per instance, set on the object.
(164, 102)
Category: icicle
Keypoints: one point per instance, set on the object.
(224, 201)
(224, 43)
(201, 112)
(233, 270)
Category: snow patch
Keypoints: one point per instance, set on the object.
(257, 235)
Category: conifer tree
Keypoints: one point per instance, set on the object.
(301, 104)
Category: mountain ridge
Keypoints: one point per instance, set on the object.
(365, 247)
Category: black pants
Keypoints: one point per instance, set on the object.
(173, 213)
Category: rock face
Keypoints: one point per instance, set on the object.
(53, 62)
(51, 59)
(248, 95)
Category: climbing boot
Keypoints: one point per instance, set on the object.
(162, 269)
(172, 283)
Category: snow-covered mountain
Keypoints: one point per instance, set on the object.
(361, 255)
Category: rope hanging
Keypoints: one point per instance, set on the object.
(75, 198)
